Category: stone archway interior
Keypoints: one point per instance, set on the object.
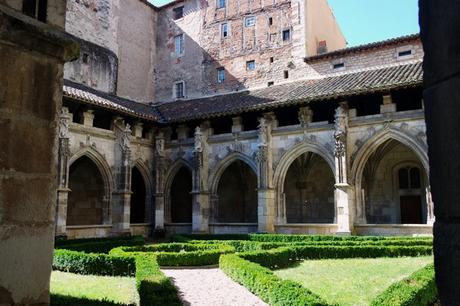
(181, 197)
(138, 197)
(86, 199)
(237, 195)
(394, 186)
(309, 190)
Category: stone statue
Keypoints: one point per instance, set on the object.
(64, 119)
(160, 146)
(198, 140)
(341, 120)
(125, 141)
(263, 132)
(305, 116)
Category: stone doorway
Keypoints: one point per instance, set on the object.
(138, 197)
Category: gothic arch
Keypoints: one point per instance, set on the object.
(104, 169)
(284, 164)
(146, 174)
(170, 176)
(222, 166)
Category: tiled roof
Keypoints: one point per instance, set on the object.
(331, 87)
(88, 95)
(365, 47)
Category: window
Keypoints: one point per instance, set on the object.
(224, 30)
(271, 83)
(179, 44)
(338, 65)
(250, 21)
(409, 178)
(220, 75)
(178, 12)
(35, 8)
(270, 21)
(250, 65)
(286, 74)
(404, 53)
(286, 35)
(221, 3)
(85, 58)
(272, 60)
(179, 90)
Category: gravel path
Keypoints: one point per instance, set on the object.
(210, 286)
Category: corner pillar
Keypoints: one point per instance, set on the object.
(160, 169)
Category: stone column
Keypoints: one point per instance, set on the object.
(265, 193)
(88, 118)
(200, 193)
(122, 194)
(160, 168)
(63, 173)
(32, 56)
(342, 189)
(439, 21)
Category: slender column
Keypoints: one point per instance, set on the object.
(200, 193)
(160, 169)
(343, 191)
(122, 194)
(265, 193)
(63, 173)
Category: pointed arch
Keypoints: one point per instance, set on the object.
(173, 171)
(147, 185)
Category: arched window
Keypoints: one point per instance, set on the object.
(35, 8)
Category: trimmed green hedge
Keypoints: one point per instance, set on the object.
(154, 288)
(65, 300)
(99, 245)
(180, 254)
(419, 289)
(262, 282)
(94, 264)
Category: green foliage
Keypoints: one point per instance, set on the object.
(419, 289)
(262, 282)
(94, 264)
(65, 300)
(155, 289)
(99, 245)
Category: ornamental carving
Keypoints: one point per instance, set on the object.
(305, 116)
(263, 132)
(64, 119)
(125, 137)
(198, 140)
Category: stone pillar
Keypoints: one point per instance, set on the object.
(342, 189)
(88, 118)
(237, 124)
(122, 194)
(160, 168)
(32, 56)
(439, 23)
(200, 193)
(138, 127)
(63, 172)
(265, 193)
(388, 106)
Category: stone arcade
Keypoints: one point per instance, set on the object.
(245, 118)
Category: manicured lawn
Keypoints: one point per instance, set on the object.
(352, 281)
(116, 289)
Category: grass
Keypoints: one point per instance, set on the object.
(116, 289)
(354, 281)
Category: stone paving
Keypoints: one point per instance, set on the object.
(210, 286)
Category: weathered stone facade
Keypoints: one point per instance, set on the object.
(325, 149)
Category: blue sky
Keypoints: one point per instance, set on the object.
(365, 21)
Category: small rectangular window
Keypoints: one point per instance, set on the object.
(250, 65)
(220, 75)
(179, 90)
(85, 58)
(250, 21)
(178, 12)
(221, 3)
(36, 9)
(179, 44)
(338, 65)
(272, 60)
(270, 21)
(271, 83)
(286, 74)
(404, 53)
(224, 30)
(286, 35)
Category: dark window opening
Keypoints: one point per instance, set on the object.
(270, 21)
(178, 12)
(222, 125)
(85, 58)
(338, 65)
(405, 53)
(286, 35)
(366, 105)
(272, 59)
(271, 83)
(324, 111)
(286, 74)
(250, 65)
(250, 121)
(409, 178)
(287, 116)
(36, 9)
(407, 99)
(174, 133)
(102, 120)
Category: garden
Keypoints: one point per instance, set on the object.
(279, 269)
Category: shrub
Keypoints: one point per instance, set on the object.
(419, 289)
(262, 282)
(154, 288)
(65, 300)
(99, 245)
(95, 264)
